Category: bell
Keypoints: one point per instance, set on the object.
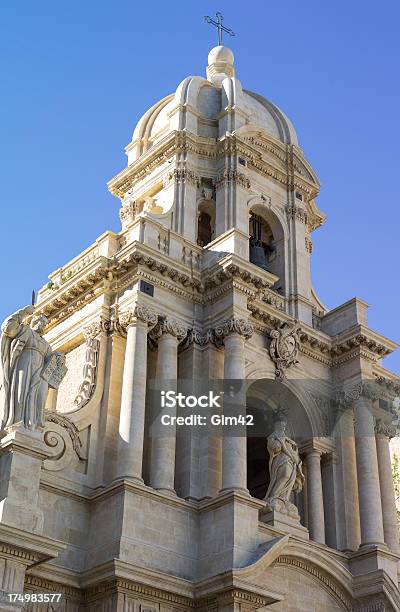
(257, 254)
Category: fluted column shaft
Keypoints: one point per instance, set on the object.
(316, 517)
(133, 398)
(389, 513)
(163, 438)
(367, 474)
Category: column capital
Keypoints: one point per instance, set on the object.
(95, 328)
(315, 446)
(168, 326)
(386, 430)
(138, 313)
(194, 336)
(233, 326)
(346, 397)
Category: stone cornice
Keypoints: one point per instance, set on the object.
(29, 548)
(283, 164)
(164, 149)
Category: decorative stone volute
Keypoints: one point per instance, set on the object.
(385, 429)
(128, 214)
(168, 326)
(234, 326)
(138, 313)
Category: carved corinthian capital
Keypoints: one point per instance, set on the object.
(362, 389)
(233, 326)
(95, 328)
(385, 429)
(138, 313)
(193, 336)
(168, 326)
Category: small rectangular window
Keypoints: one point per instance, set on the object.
(299, 195)
(242, 161)
(146, 288)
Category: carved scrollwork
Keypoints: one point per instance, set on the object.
(231, 326)
(234, 176)
(193, 336)
(88, 385)
(284, 347)
(362, 389)
(294, 211)
(168, 326)
(128, 214)
(70, 427)
(138, 313)
(182, 175)
(62, 436)
(385, 429)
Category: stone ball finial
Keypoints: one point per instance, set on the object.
(220, 64)
(222, 55)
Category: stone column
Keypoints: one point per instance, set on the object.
(234, 446)
(367, 468)
(163, 438)
(136, 321)
(389, 514)
(315, 499)
(329, 490)
(349, 535)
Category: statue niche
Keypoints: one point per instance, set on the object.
(28, 367)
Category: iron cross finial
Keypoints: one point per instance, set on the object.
(220, 27)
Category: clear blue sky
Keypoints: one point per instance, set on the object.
(77, 75)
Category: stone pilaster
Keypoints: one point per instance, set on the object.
(383, 434)
(163, 439)
(137, 321)
(234, 333)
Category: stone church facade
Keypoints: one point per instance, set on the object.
(208, 280)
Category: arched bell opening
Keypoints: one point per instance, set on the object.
(271, 401)
(267, 242)
(205, 222)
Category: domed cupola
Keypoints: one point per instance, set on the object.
(215, 164)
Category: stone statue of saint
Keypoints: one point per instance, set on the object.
(285, 470)
(28, 367)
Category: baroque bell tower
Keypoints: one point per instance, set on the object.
(207, 286)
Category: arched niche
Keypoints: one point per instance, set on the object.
(263, 398)
(268, 234)
(205, 232)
